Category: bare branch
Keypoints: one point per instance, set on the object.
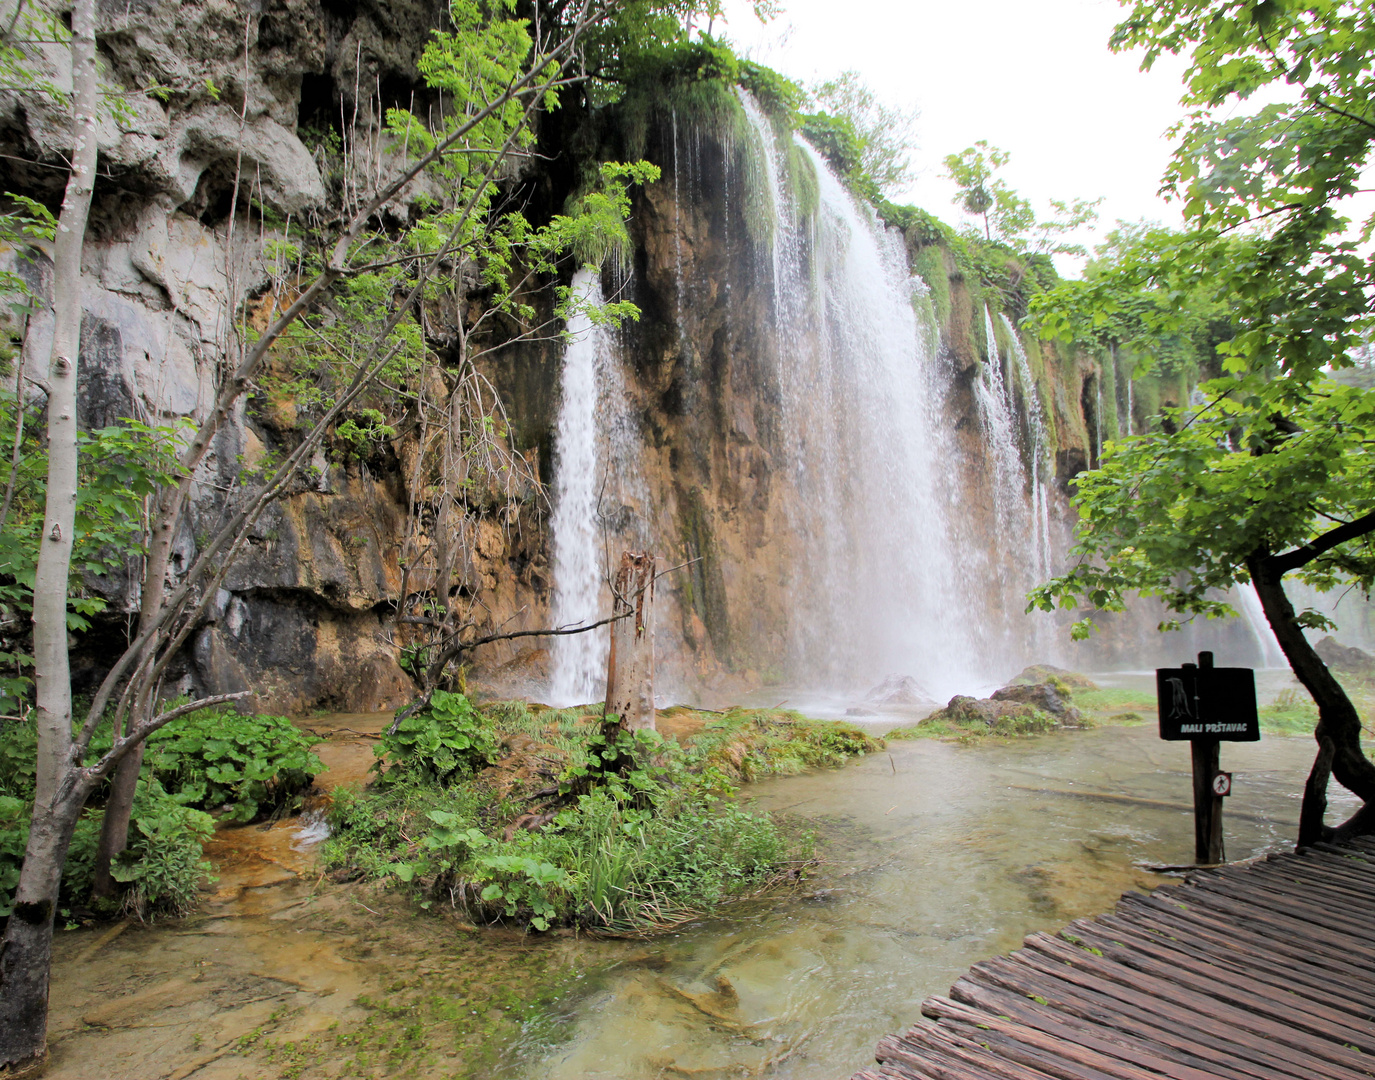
(1302, 556)
(111, 757)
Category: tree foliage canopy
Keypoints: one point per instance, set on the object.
(1267, 471)
(1275, 448)
(984, 194)
(884, 136)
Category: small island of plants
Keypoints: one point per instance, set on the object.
(547, 817)
(509, 813)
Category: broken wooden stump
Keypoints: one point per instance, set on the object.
(630, 665)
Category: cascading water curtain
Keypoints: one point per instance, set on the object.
(599, 495)
(1039, 453)
(878, 587)
(1011, 516)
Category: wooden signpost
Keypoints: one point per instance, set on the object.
(1206, 706)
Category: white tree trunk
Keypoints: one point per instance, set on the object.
(26, 954)
(630, 665)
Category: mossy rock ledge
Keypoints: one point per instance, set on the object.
(1012, 710)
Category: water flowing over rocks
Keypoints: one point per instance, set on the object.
(800, 423)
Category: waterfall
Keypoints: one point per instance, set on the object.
(599, 490)
(1272, 656)
(791, 292)
(1039, 452)
(1000, 432)
(875, 584)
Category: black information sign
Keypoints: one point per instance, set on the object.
(1207, 703)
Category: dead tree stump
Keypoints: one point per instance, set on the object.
(630, 665)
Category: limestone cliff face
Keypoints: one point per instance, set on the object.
(171, 261)
(305, 619)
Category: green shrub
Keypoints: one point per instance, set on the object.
(446, 739)
(161, 869)
(652, 835)
(198, 762)
(216, 757)
(14, 834)
(777, 94)
(837, 141)
(18, 758)
(206, 759)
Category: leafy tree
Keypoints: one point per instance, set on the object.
(884, 136)
(1154, 330)
(987, 196)
(1271, 475)
(497, 74)
(981, 196)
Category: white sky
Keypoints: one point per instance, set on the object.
(1034, 79)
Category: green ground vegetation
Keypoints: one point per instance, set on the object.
(1292, 712)
(208, 765)
(547, 817)
(966, 727)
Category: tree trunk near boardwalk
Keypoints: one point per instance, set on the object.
(630, 666)
(26, 950)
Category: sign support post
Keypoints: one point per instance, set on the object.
(1208, 846)
(1206, 705)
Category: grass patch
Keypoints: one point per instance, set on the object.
(566, 828)
(749, 744)
(1291, 713)
(1033, 722)
(1106, 703)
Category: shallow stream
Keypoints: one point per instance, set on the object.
(935, 855)
(939, 855)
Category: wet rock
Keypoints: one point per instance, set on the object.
(1049, 673)
(899, 690)
(1345, 658)
(1047, 697)
(295, 657)
(965, 711)
(858, 711)
(122, 1010)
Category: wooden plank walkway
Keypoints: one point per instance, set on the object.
(1261, 972)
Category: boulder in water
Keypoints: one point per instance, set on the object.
(1000, 717)
(1048, 673)
(1346, 658)
(899, 690)
(1048, 697)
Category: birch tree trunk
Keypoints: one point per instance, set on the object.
(630, 665)
(25, 956)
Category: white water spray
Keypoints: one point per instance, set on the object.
(1272, 656)
(599, 491)
(1038, 451)
(876, 586)
(1000, 432)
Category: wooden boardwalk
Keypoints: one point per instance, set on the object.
(1262, 972)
